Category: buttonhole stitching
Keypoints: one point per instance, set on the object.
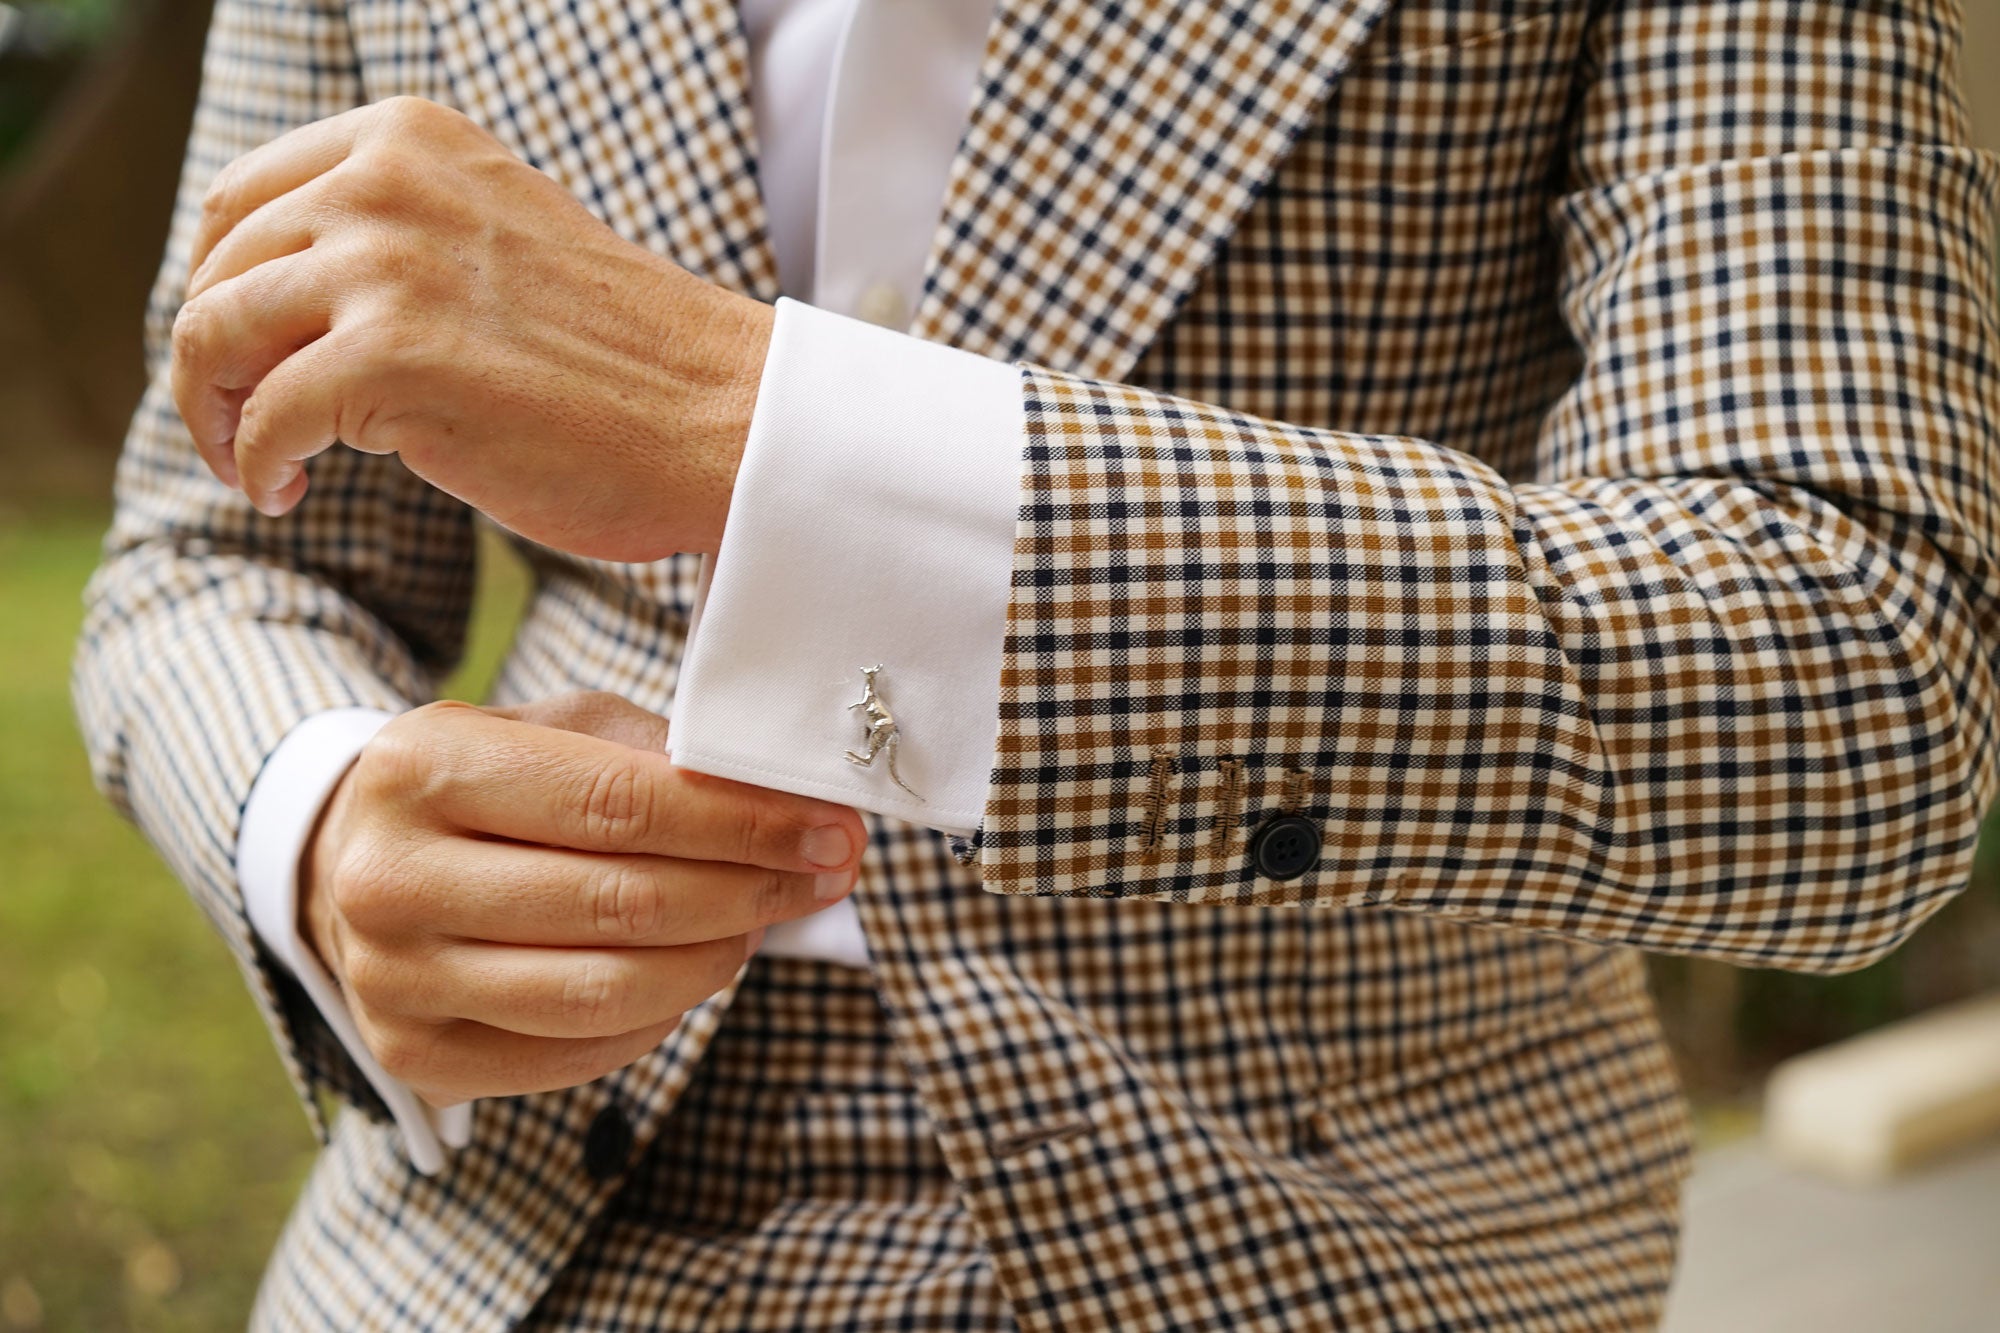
(1153, 811)
(1228, 805)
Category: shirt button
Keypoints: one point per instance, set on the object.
(883, 305)
(1285, 848)
(607, 1144)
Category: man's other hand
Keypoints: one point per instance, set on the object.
(394, 278)
(516, 900)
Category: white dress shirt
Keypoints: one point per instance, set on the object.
(873, 516)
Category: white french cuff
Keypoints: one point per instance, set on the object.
(284, 805)
(872, 525)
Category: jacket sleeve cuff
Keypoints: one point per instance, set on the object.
(282, 809)
(872, 523)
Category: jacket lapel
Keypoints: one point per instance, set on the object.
(1111, 149)
(640, 107)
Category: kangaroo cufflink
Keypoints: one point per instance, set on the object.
(881, 732)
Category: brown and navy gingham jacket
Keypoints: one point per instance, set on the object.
(1549, 444)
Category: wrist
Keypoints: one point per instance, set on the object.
(314, 908)
(724, 365)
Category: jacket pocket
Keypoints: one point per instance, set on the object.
(1424, 30)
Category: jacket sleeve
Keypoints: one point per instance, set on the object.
(211, 631)
(1715, 675)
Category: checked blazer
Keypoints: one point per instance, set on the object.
(1549, 444)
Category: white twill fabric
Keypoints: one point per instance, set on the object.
(797, 599)
(1621, 573)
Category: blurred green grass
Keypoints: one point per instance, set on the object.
(149, 1142)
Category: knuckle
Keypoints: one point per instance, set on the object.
(618, 805)
(193, 331)
(220, 200)
(772, 830)
(253, 423)
(441, 124)
(407, 1051)
(407, 109)
(372, 258)
(390, 337)
(440, 712)
(592, 706)
(571, 708)
(773, 896)
(396, 761)
(751, 826)
(375, 355)
(401, 761)
(368, 424)
(382, 182)
(397, 109)
(627, 905)
(593, 998)
(371, 978)
(363, 885)
(398, 120)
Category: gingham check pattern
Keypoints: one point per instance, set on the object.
(1623, 572)
(834, 1211)
(1625, 568)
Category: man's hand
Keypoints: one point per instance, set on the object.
(526, 899)
(395, 279)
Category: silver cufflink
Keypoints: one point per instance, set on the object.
(882, 733)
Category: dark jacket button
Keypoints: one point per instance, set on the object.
(607, 1145)
(1285, 848)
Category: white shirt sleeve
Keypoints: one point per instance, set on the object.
(872, 523)
(284, 806)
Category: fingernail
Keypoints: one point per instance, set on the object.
(269, 505)
(828, 846)
(831, 884)
(753, 941)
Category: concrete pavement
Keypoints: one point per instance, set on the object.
(1769, 1250)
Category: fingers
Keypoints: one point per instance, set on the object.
(458, 1062)
(231, 338)
(522, 894)
(283, 226)
(571, 993)
(276, 168)
(296, 159)
(296, 412)
(486, 774)
(595, 713)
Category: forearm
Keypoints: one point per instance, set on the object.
(212, 632)
(211, 637)
(203, 611)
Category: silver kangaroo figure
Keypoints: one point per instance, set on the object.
(882, 729)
